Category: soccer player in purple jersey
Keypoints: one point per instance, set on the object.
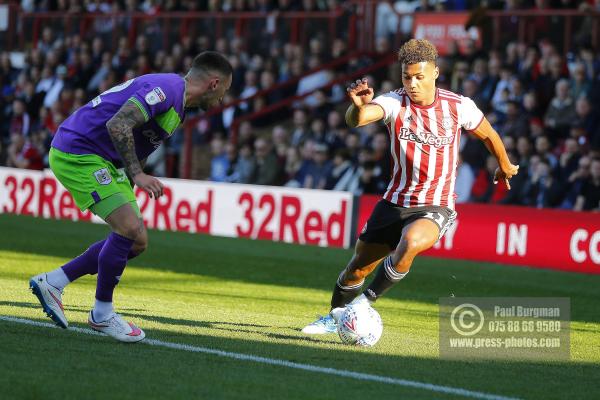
(96, 151)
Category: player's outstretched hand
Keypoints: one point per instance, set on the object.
(505, 174)
(360, 93)
(149, 184)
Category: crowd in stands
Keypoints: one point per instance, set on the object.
(156, 6)
(544, 105)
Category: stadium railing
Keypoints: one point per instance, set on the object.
(191, 123)
(168, 27)
(381, 63)
(356, 22)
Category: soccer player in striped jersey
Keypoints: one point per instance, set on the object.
(425, 124)
(96, 151)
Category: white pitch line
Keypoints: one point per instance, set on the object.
(287, 364)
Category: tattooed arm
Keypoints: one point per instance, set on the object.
(120, 128)
(143, 164)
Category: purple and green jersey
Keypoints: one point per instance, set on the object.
(159, 97)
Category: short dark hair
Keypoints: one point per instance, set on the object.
(343, 153)
(211, 61)
(545, 160)
(417, 50)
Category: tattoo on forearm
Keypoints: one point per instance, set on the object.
(120, 127)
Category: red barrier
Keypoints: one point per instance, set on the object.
(442, 29)
(542, 238)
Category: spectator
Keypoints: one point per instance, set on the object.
(231, 152)
(335, 135)
(293, 163)
(382, 155)
(488, 85)
(543, 149)
(342, 164)
(219, 163)
(517, 184)
(484, 190)
(20, 122)
(561, 111)
(531, 107)
(370, 181)
(509, 144)
(100, 74)
(305, 163)
(279, 136)
(363, 179)
(246, 133)
(321, 106)
(470, 88)
(55, 85)
(575, 181)
(22, 153)
(47, 40)
(589, 196)
(551, 71)
(459, 74)
(319, 169)
(585, 117)
(8, 73)
(543, 189)
(465, 178)
(267, 80)
(266, 166)
(300, 132)
(579, 85)
(515, 122)
(569, 159)
(250, 88)
(317, 130)
(244, 165)
(313, 81)
(502, 92)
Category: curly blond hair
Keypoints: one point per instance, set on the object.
(417, 50)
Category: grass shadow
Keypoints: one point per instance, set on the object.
(312, 267)
(523, 379)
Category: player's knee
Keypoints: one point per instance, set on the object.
(415, 242)
(138, 248)
(140, 244)
(134, 230)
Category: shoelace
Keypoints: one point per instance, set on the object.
(120, 322)
(323, 319)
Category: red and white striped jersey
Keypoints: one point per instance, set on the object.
(425, 145)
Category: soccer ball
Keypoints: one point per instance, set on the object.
(360, 325)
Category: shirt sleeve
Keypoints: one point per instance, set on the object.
(390, 103)
(154, 99)
(470, 115)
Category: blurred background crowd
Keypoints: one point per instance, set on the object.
(544, 100)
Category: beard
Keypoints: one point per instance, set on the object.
(207, 101)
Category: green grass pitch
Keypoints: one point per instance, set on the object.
(252, 297)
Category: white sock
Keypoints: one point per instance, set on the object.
(102, 310)
(57, 278)
(361, 299)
